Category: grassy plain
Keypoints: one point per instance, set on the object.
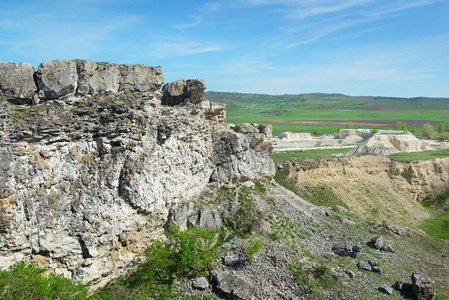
(306, 112)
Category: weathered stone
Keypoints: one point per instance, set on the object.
(386, 289)
(346, 221)
(17, 82)
(339, 208)
(140, 78)
(364, 265)
(233, 286)
(423, 286)
(376, 242)
(56, 79)
(246, 128)
(349, 273)
(377, 269)
(200, 283)
(295, 137)
(209, 219)
(385, 144)
(387, 248)
(179, 91)
(347, 250)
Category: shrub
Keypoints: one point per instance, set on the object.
(349, 125)
(255, 245)
(27, 281)
(317, 132)
(428, 131)
(188, 253)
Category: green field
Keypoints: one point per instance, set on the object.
(328, 112)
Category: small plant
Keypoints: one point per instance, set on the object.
(27, 281)
(255, 245)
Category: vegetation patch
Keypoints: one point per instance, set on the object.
(285, 155)
(185, 254)
(411, 156)
(438, 225)
(27, 281)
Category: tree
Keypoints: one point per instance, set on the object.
(428, 131)
(374, 130)
(349, 125)
(401, 126)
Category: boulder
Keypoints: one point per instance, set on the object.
(234, 287)
(422, 286)
(364, 266)
(182, 91)
(140, 78)
(209, 219)
(386, 289)
(344, 133)
(17, 82)
(200, 283)
(246, 128)
(347, 250)
(339, 208)
(56, 79)
(376, 242)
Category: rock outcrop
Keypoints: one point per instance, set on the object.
(295, 137)
(181, 91)
(344, 133)
(89, 175)
(16, 82)
(385, 144)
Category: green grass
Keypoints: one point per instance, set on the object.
(284, 155)
(437, 226)
(264, 109)
(411, 156)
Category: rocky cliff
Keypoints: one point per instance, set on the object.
(91, 161)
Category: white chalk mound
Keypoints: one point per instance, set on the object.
(385, 143)
(295, 137)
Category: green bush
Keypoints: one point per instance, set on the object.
(27, 281)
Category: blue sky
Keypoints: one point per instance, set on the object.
(355, 47)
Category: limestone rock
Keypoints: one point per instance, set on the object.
(179, 91)
(344, 133)
(56, 78)
(339, 208)
(385, 144)
(209, 219)
(422, 286)
(386, 289)
(444, 145)
(364, 266)
(233, 286)
(295, 137)
(376, 242)
(17, 82)
(140, 78)
(347, 250)
(200, 283)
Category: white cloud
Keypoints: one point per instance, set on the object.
(196, 22)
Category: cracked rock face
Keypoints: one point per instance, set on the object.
(87, 183)
(16, 82)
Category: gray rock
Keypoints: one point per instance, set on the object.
(234, 287)
(200, 283)
(209, 219)
(372, 263)
(347, 250)
(364, 265)
(387, 248)
(377, 269)
(346, 221)
(423, 286)
(349, 273)
(17, 82)
(376, 242)
(179, 91)
(56, 78)
(140, 78)
(386, 289)
(246, 128)
(232, 259)
(339, 208)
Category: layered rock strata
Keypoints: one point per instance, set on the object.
(88, 176)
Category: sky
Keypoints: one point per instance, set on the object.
(356, 47)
